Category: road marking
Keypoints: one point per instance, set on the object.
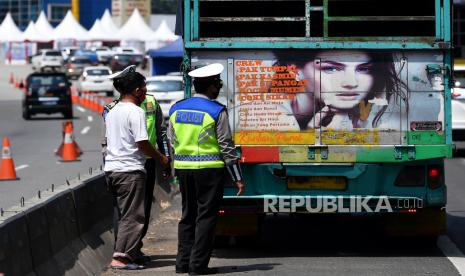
(85, 130)
(80, 109)
(451, 251)
(20, 167)
(90, 118)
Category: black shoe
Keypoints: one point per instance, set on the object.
(182, 269)
(143, 260)
(203, 271)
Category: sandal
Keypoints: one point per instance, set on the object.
(128, 266)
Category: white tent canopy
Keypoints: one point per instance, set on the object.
(9, 31)
(97, 33)
(43, 26)
(135, 29)
(163, 33)
(107, 23)
(33, 35)
(69, 28)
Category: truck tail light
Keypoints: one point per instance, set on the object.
(435, 177)
(68, 66)
(29, 92)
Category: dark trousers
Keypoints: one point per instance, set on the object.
(201, 191)
(128, 190)
(150, 167)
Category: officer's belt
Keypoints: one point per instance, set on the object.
(197, 158)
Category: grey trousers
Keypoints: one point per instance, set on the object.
(128, 190)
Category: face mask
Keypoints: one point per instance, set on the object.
(140, 98)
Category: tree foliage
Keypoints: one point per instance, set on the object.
(164, 6)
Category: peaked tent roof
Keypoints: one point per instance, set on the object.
(9, 32)
(43, 26)
(108, 25)
(69, 28)
(32, 34)
(135, 29)
(175, 49)
(163, 33)
(97, 33)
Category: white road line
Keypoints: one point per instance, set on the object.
(451, 251)
(20, 167)
(85, 130)
(80, 109)
(90, 118)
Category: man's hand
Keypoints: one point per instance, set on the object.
(165, 161)
(240, 186)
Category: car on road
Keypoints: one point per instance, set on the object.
(104, 54)
(47, 93)
(48, 59)
(75, 66)
(167, 90)
(88, 54)
(458, 101)
(68, 52)
(95, 79)
(121, 61)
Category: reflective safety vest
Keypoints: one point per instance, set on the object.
(150, 106)
(194, 139)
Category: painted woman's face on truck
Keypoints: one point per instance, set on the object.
(342, 79)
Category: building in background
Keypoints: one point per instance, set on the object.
(122, 9)
(22, 11)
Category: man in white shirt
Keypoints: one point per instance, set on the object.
(127, 146)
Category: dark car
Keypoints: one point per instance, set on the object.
(47, 93)
(75, 66)
(121, 61)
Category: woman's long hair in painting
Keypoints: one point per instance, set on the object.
(386, 82)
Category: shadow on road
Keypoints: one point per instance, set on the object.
(289, 236)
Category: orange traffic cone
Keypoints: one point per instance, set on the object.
(23, 85)
(12, 79)
(7, 167)
(74, 95)
(68, 150)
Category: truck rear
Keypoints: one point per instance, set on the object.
(336, 106)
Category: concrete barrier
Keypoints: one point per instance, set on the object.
(64, 232)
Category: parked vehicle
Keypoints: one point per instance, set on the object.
(167, 90)
(125, 50)
(75, 66)
(458, 101)
(95, 79)
(48, 59)
(47, 93)
(89, 54)
(104, 54)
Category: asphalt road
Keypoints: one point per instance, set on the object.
(33, 143)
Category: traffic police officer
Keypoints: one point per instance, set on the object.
(201, 138)
(156, 137)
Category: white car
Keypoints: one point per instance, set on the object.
(95, 79)
(126, 50)
(48, 59)
(167, 90)
(104, 54)
(458, 104)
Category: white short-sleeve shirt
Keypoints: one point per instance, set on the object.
(125, 125)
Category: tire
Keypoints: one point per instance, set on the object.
(26, 114)
(68, 114)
